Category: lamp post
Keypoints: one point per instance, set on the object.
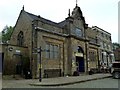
(39, 52)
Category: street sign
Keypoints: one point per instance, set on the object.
(17, 52)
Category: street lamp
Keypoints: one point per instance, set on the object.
(39, 50)
(39, 53)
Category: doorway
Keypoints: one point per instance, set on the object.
(18, 64)
(80, 64)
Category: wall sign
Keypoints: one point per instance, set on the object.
(79, 54)
(17, 51)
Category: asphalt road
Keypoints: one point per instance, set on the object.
(0, 80)
(102, 83)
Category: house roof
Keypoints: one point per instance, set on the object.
(38, 17)
(62, 23)
(96, 27)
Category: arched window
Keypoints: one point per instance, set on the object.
(20, 38)
(80, 50)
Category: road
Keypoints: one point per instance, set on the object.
(0, 80)
(102, 83)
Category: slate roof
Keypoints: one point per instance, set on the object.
(35, 17)
(101, 29)
(62, 24)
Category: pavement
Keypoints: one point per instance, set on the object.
(59, 81)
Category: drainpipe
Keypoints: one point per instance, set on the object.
(85, 35)
(31, 58)
(34, 23)
(86, 57)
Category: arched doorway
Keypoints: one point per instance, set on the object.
(80, 60)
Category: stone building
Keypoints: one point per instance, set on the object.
(94, 49)
(64, 45)
(56, 49)
(105, 42)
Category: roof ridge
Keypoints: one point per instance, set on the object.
(42, 19)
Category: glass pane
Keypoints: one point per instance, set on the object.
(56, 55)
(47, 51)
(78, 32)
(56, 50)
(51, 51)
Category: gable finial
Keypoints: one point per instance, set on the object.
(23, 7)
(76, 2)
(69, 13)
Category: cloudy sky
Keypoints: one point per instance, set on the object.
(101, 13)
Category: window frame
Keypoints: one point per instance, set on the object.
(52, 52)
(78, 32)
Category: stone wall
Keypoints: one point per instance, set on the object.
(25, 25)
(12, 55)
(93, 63)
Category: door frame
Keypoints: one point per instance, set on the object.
(80, 61)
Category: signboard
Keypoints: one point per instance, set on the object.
(17, 51)
(79, 54)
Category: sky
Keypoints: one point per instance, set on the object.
(101, 13)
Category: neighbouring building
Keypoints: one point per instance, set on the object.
(117, 54)
(105, 42)
(116, 50)
(58, 49)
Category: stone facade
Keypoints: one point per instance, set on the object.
(105, 42)
(93, 62)
(12, 56)
(58, 49)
